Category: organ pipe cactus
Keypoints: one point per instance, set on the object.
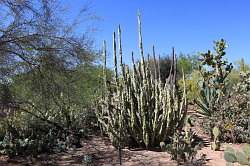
(136, 105)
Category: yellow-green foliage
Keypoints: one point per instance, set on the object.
(234, 76)
(192, 85)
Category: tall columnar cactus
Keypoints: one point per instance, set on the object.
(136, 105)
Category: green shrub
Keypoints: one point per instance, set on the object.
(234, 112)
(214, 71)
(236, 125)
(192, 85)
(26, 134)
(183, 147)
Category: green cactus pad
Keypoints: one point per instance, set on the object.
(242, 158)
(215, 146)
(230, 157)
(229, 149)
(229, 164)
(246, 149)
(216, 132)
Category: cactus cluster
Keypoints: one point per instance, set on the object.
(214, 70)
(136, 105)
(242, 157)
(183, 146)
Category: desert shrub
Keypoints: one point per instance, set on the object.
(24, 134)
(224, 104)
(192, 85)
(47, 116)
(164, 64)
(29, 132)
(48, 79)
(214, 70)
(184, 145)
(234, 77)
(52, 100)
(43, 142)
(236, 124)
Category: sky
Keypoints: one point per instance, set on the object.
(190, 26)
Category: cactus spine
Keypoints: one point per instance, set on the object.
(137, 106)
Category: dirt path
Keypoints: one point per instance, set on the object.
(103, 153)
(213, 158)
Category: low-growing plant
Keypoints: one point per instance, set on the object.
(233, 156)
(13, 146)
(236, 125)
(216, 142)
(183, 147)
(30, 134)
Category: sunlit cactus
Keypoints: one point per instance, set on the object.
(137, 106)
(214, 71)
(215, 145)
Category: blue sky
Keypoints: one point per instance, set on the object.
(190, 26)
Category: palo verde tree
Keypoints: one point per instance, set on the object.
(39, 53)
(42, 62)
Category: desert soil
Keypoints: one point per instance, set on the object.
(103, 153)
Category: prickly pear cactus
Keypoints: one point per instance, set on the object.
(216, 133)
(242, 157)
(246, 149)
(214, 70)
(229, 155)
(215, 145)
